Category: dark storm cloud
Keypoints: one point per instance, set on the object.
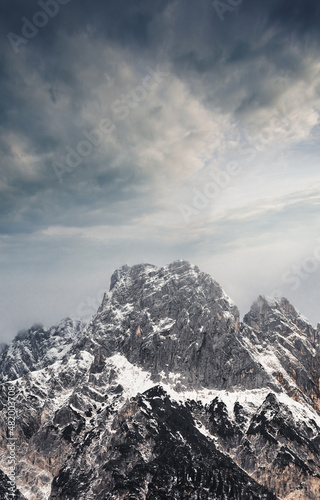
(300, 17)
(265, 53)
(32, 89)
(116, 20)
(49, 72)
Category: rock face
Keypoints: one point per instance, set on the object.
(175, 319)
(279, 332)
(5, 491)
(166, 395)
(165, 456)
(37, 348)
(274, 442)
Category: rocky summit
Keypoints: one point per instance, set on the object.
(165, 394)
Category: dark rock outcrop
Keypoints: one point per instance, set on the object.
(7, 492)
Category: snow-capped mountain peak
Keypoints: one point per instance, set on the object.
(165, 394)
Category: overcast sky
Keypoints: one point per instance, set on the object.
(154, 130)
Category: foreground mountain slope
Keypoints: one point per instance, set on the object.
(79, 424)
(166, 393)
(156, 452)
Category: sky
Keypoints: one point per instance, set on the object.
(151, 131)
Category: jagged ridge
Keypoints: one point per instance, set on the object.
(83, 425)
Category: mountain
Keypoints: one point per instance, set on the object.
(37, 348)
(174, 320)
(165, 394)
(289, 346)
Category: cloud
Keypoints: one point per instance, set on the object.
(183, 95)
